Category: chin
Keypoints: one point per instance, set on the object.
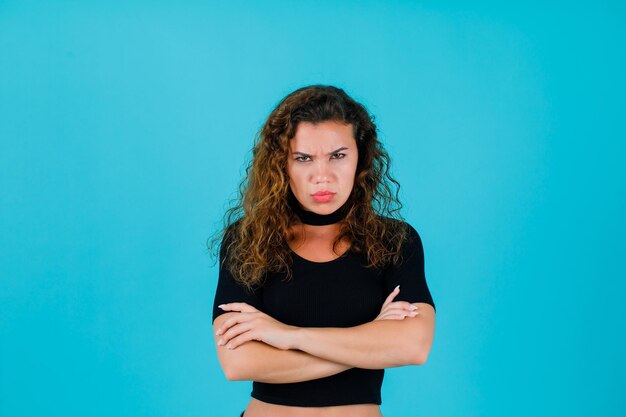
(322, 208)
(327, 210)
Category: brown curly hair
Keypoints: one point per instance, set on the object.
(257, 228)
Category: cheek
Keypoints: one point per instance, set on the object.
(349, 171)
(295, 177)
(291, 171)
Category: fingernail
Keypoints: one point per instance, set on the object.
(230, 347)
(413, 307)
(220, 342)
(217, 333)
(221, 306)
(412, 313)
(397, 288)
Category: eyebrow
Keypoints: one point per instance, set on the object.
(329, 153)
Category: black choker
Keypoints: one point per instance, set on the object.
(314, 219)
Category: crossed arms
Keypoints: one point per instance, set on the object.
(253, 346)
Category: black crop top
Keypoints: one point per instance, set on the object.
(338, 293)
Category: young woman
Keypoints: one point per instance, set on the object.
(321, 283)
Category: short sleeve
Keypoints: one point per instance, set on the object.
(229, 290)
(409, 273)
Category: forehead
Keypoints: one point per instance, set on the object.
(322, 135)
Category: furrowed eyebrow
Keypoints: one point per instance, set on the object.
(329, 153)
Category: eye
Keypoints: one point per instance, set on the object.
(340, 155)
(298, 158)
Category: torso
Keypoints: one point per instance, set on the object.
(258, 408)
(314, 244)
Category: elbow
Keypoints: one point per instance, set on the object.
(230, 373)
(418, 354)
(418, 357)
(233, 368)
(419, 340)
(233, 373)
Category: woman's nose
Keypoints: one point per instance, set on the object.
(322, 170)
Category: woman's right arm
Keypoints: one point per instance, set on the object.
(257, 361)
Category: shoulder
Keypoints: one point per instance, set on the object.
(400, 226)
(412, 232)
(234, 225)
(228, 238)
(407, 236)
(413, 242)
(230, 231)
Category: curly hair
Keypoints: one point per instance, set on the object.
(257, 228)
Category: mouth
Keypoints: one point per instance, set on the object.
(323, 196)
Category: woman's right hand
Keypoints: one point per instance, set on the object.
(396, 310)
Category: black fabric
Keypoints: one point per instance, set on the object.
(338, 293)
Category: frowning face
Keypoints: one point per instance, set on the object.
(322, 165)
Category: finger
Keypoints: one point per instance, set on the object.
(392, 295)
(392, 317)
(234, 332)
(241, 339)
(399, 306)
(404, 305)
(400, 311)
(397, 314)
(243, 307)
(231, 321)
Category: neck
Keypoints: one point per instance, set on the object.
(315, 219)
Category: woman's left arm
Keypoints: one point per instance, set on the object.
(374, 345)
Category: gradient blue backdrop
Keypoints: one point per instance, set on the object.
(124, 129)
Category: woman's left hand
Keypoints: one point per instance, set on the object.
(252, 324)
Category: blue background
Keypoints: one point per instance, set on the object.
(124, 131)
